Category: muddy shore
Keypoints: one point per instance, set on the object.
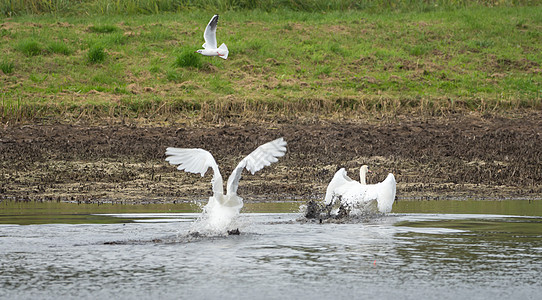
(454, 157)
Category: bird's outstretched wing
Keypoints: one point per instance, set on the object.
(196, 161)
(386, 194)
(339, 179)
(210, 34)
(263, 156)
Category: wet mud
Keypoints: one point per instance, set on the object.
(455, 157)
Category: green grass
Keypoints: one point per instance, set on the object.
(347, 62)
(188, 58)
(103, 28)
(59, 48)
(96, 54)
(78, 7)
(6, 67)
(30, 47)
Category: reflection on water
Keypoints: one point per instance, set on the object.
(500, 207)
(26, 213)
(402, 255)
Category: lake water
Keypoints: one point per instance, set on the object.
(423, 250)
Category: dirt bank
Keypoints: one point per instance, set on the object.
(447, 157)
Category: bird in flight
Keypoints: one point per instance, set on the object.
(210, 46)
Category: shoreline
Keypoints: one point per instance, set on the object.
(452, 157)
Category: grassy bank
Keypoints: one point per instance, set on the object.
(337, 63)
(78, 7)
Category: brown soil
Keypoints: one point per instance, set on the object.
(459, 156)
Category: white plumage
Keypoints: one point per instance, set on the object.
(356, 196)
(210, 46)
(225, 206)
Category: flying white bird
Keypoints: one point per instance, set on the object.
(210, 45)
(221, 207)
(358, 195)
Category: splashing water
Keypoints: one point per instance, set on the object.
(216, 219)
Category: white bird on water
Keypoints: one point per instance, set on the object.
(210, 46)
(222, 208)
(359, 195)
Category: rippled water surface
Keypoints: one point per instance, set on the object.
(404, 255)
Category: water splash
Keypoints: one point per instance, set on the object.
(217, 219)
(318, 212)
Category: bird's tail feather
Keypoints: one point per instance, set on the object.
(224, 51)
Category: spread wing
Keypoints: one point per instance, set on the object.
(386, 194)
(263, 156)
(196, 161)
(210, 34)
(339, 179)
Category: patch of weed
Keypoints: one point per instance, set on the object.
(115, 39)
(419, 50)
(96, 54)
(30, 47)
(189, 58)
(103, 28)
(59, 47)
(6, 67)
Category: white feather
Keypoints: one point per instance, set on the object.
(191, 160)
(340, 178)
(210, 34)
(199, 161)
(263, 156)
(356, 195)
(210, 45)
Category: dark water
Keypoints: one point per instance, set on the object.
(423, 250)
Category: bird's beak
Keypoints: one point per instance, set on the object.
(369, 171)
